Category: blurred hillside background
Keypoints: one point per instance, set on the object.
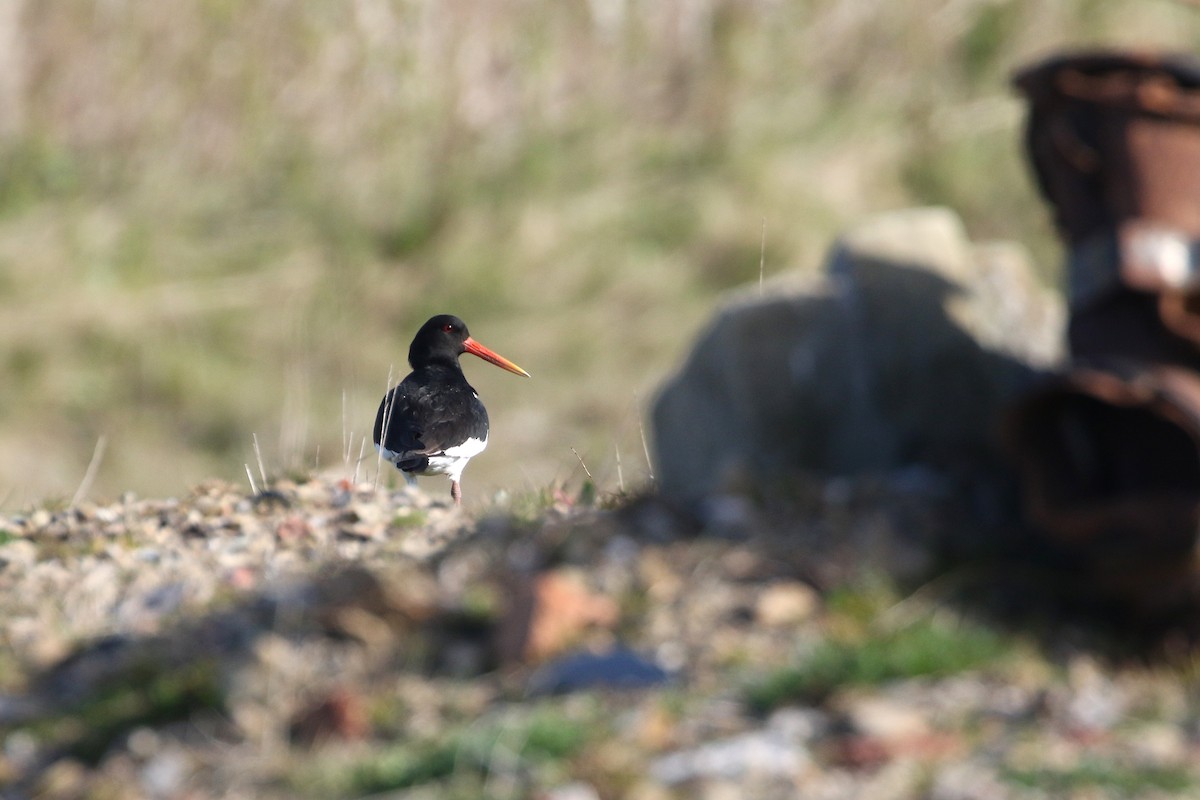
(221, 219)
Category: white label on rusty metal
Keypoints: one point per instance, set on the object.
(1158, 258)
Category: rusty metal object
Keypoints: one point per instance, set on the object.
(1130, 326)
(1110, 464)
(1109, 451)
(1105, 450)
(1114, 139)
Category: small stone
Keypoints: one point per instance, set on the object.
(364, 531)
(658, 573)
(242, 578)
(164, 774)
(143, 742)
(898, 780)
(1096, 703)
(19, 554)
(63, 779)
(20, 748)
(756, 754)
(883, 718)
(785, 603)
(564, 609)
(339, 714)
(149, 555)
(293, 529)
(47, 648)
(859, 752)
(617, 669)
(1159, 743)
(367, 512)
(654, 727)
(576, 790)
(646, 789)
(799, 724)
(969, 780)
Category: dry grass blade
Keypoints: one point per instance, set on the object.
(387, 425)
(262, 472)
(347, 434)
(89, 475)
(586, 471)
(620, 473)
(362, 449)
(645, 444)
(762, 255)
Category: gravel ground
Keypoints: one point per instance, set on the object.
(331, 640)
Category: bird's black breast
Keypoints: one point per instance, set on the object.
(429, 411)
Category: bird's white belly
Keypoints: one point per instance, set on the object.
(453, 460)
(449, 462)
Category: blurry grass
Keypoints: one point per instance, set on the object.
(924, 649)
(464, 758)
(579, 182)
(861, 650)
(408, 519)
(1114, 779)
(530, 506)
(148, 694)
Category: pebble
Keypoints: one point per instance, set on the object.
(1159, 743)
(767, 752)
(885, 718)
(619, 668)
(19, 554)
(785, 603)
(252, 585)
(968, 780)
(799, 724)
(576, 790)
(164, 774)
(1095, 702)
(64, 778)
(20, 747)
(143, 742)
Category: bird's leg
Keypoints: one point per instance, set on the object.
(456, 492)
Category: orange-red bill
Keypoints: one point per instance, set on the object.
(476, 349)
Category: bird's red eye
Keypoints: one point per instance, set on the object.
(448, 327)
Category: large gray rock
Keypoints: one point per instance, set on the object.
(903, 351)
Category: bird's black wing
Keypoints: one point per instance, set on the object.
(415, 421)
(395, 425)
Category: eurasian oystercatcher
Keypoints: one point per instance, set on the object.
(433, 423)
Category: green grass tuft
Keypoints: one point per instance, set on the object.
(543, 737)
(924, 649)
(147, 694)
(409, 518)
(1117, 780)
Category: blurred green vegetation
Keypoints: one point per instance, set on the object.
(863, 649)
(146, 694)
(219, 219)
(526, 741)
(1105, 779)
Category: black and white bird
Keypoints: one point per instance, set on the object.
(433, 422)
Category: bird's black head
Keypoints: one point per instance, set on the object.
(442, 338)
